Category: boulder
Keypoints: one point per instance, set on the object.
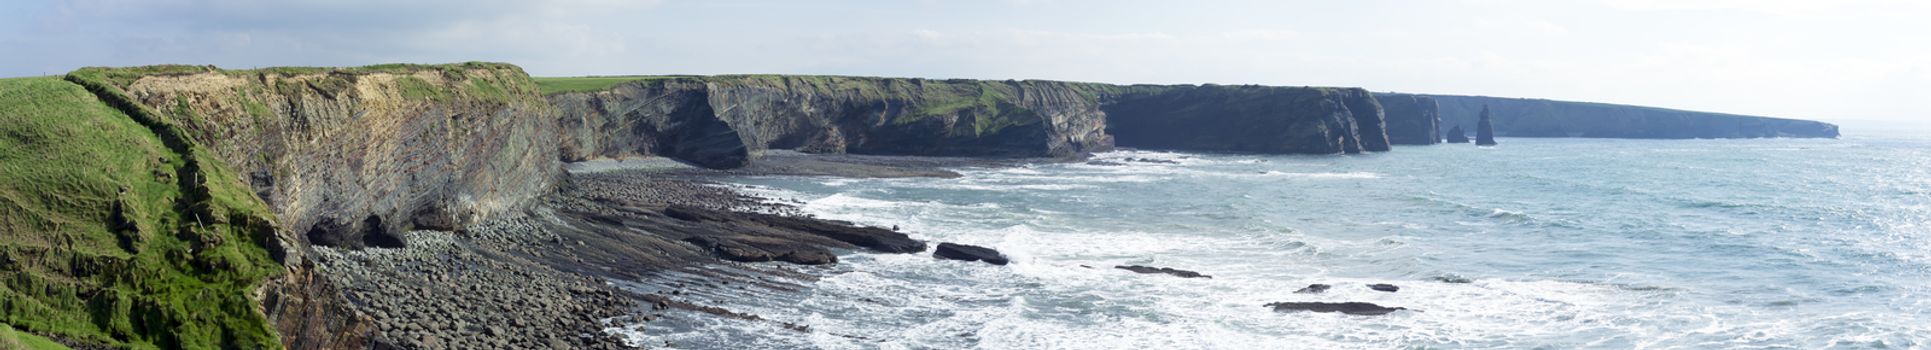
(1383, 287)
(969, 253)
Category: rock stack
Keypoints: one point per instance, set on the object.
(1484, 130)
(1456, 135)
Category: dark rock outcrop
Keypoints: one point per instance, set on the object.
(963, 252)
(1316, 288)
(1484, 130)
(1247, 118)
(1412, 120)
(1519, 117)
(876, 239)
(1162, 270)
(1351, 308)
(1384, 287)
(1457, 135)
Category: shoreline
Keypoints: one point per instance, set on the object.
(619, 245)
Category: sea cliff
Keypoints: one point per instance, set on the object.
(1518, 117)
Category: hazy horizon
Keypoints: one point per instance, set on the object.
(1834, 61)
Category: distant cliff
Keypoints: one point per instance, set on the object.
(1412, 120)
(724, 121)
(1246, 118)
(1515, 117)
(721, 121)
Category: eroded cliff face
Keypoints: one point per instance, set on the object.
(696, 119)
(352, 157)
(1412, 120)
(1260, 119)
(346, 157)
(1516, 117)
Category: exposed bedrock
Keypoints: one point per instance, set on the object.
(717, 122)
(1412, 120)
(1247, 118)
(962, 252)
(349, 157)
(1517, 117)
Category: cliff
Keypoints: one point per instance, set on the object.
(1412, 120)
(1514, 117)
(347, 157)
(723, 121)
(335, 157)
(1247, 118)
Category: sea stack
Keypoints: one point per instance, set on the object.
(1484, 130)
(1456, 135)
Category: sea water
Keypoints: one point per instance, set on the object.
(1537, 243)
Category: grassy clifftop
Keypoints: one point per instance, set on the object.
(117, 232)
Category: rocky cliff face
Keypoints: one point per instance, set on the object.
(1261, 119)
(720, 121)
(1412, 120)
(1513, 117)
(346, 157)
(352, 157)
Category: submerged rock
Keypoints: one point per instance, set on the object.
(969, 253)
(1351, 308)
(1169, 271)
(1383, 287)
(1316, 288)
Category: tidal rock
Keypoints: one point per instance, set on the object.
(1169, 271)
(1316, 288)
(761, 249)
(1457, 135)
(1351, 308)
(1383, 287)
(969, 253)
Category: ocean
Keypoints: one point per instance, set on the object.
(1537, 243)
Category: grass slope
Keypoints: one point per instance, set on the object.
(11, 340)
(114, 230)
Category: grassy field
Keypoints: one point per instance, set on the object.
(557, 85)
(113, 231)
(11, 340)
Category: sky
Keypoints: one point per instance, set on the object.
(1836, 60)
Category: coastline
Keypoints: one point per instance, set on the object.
(611, 251)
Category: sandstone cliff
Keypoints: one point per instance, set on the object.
(723, 121)
(1515, 117)
(1247, 118)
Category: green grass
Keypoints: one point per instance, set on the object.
(116, 229)
(12, 340)
(557, 85)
